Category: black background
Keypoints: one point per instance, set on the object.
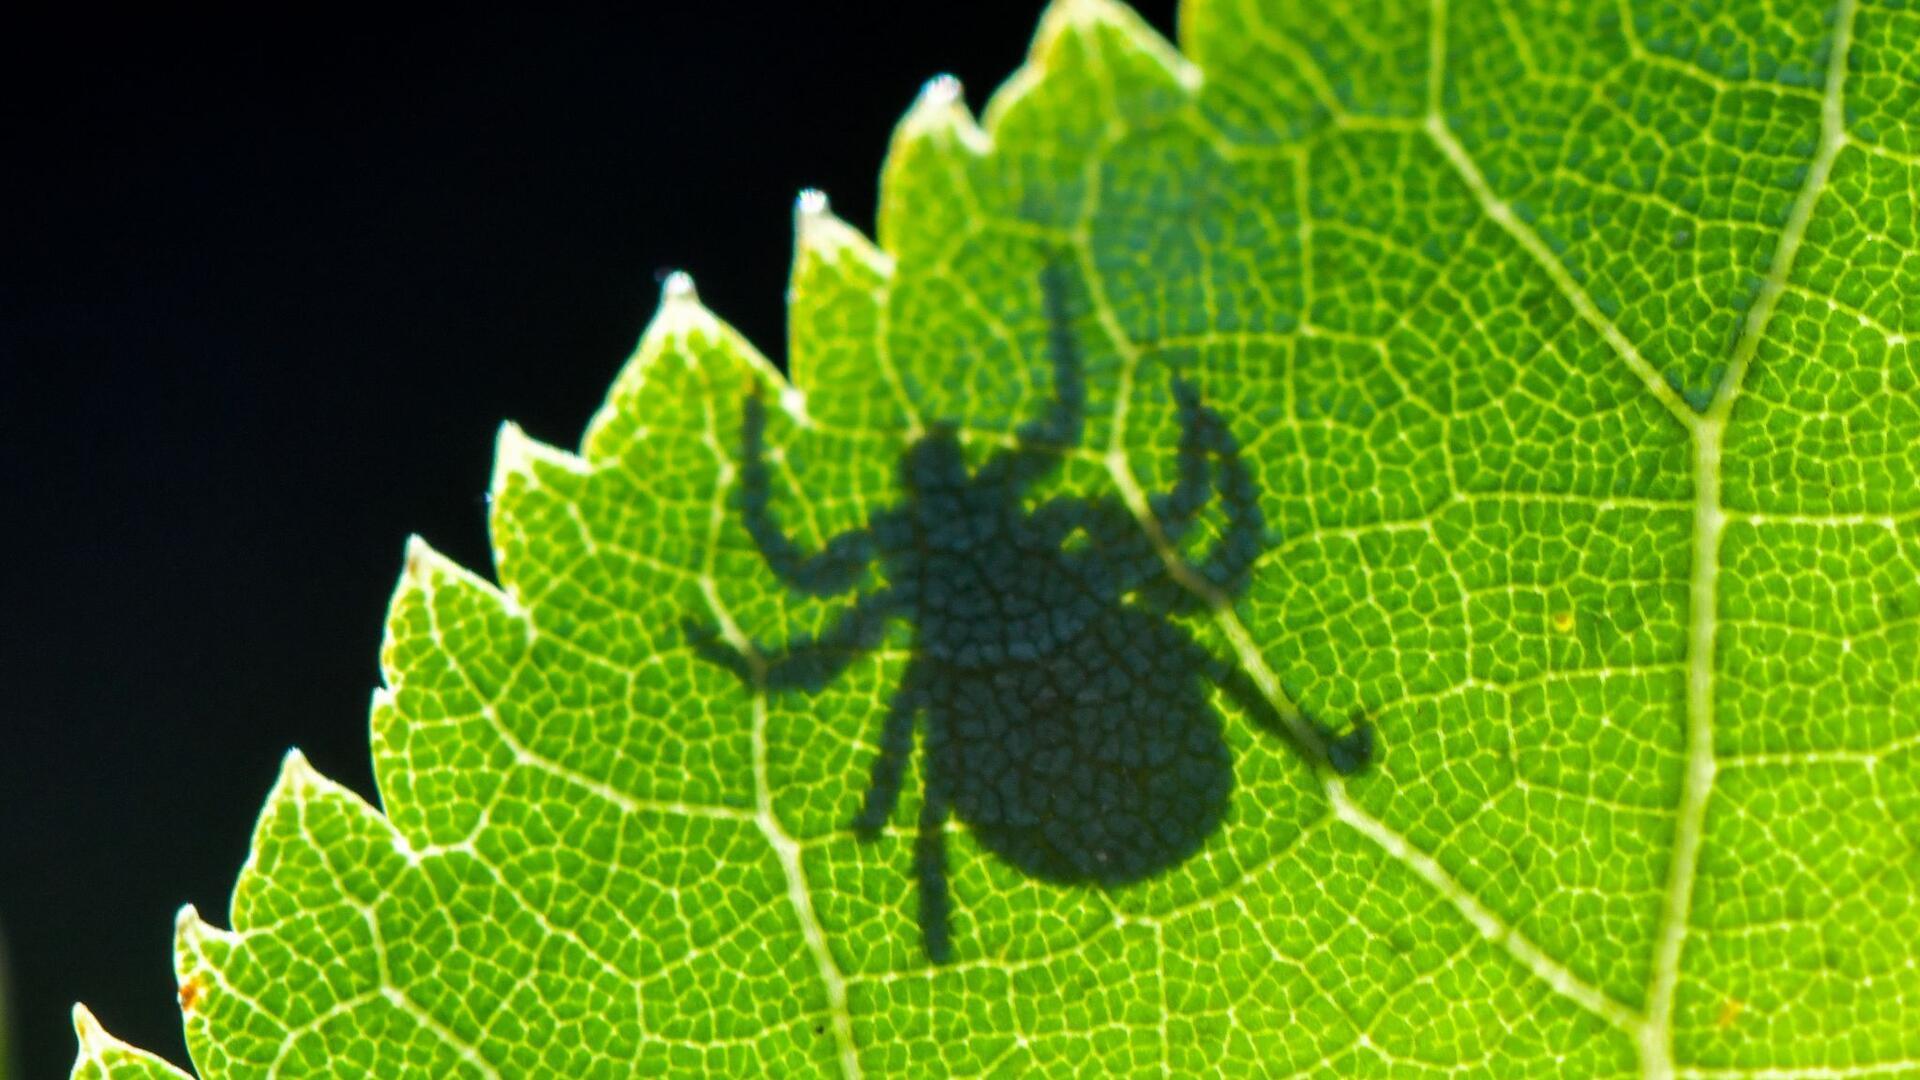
(266, 291)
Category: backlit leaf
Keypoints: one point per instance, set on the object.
(1565, 350)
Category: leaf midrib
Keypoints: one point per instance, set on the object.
(1707, 432)
(1709, 526)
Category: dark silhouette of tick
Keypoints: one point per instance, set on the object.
(1067, 719)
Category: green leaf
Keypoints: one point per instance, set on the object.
(1566, 351)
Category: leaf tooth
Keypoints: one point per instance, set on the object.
(840, 276)
(424, 572)
(679, 320)
(191, 932)
(929, 159)
(1073, 31)
(515, 453)
(1094, 19)
(95, 1040)
(426, 569)
(102, 1047)
(680, 315)
(939, 116)
(298, 777)
(421, 562)
(677, 286)
(819, 234)
(194, 962)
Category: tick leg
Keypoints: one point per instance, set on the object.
(1353, 751)
(811, 664)
(930, 843)
(1235, 551)
(807, 664)
(1204, 434)
(1060, 426)
(1042, 439)
(1118, 555)
(896, 746)
(836, 567)
(1345, 753)
(930, 867)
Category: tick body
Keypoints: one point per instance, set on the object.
(1065, 717)
(1071, 731)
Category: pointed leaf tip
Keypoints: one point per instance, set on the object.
(103, 1054)
(423, 565)
(941, 108)
(421, 561)
(191, 930)
(515, 452)
(297, 771)
(678, 286)
(299, 776)
(1078, 11)
(512, 454)
(86, 1027)
(680, 313)
(1092, 12)
(1064, 15)
(942, 89)
(819, 234)
(1096, 25)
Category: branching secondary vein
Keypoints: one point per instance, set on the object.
(1710, 518)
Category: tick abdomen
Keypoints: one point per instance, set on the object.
(1100, 761)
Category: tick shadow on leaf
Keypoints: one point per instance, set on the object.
(1066, 717)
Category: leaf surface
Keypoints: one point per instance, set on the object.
(1567, 349)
